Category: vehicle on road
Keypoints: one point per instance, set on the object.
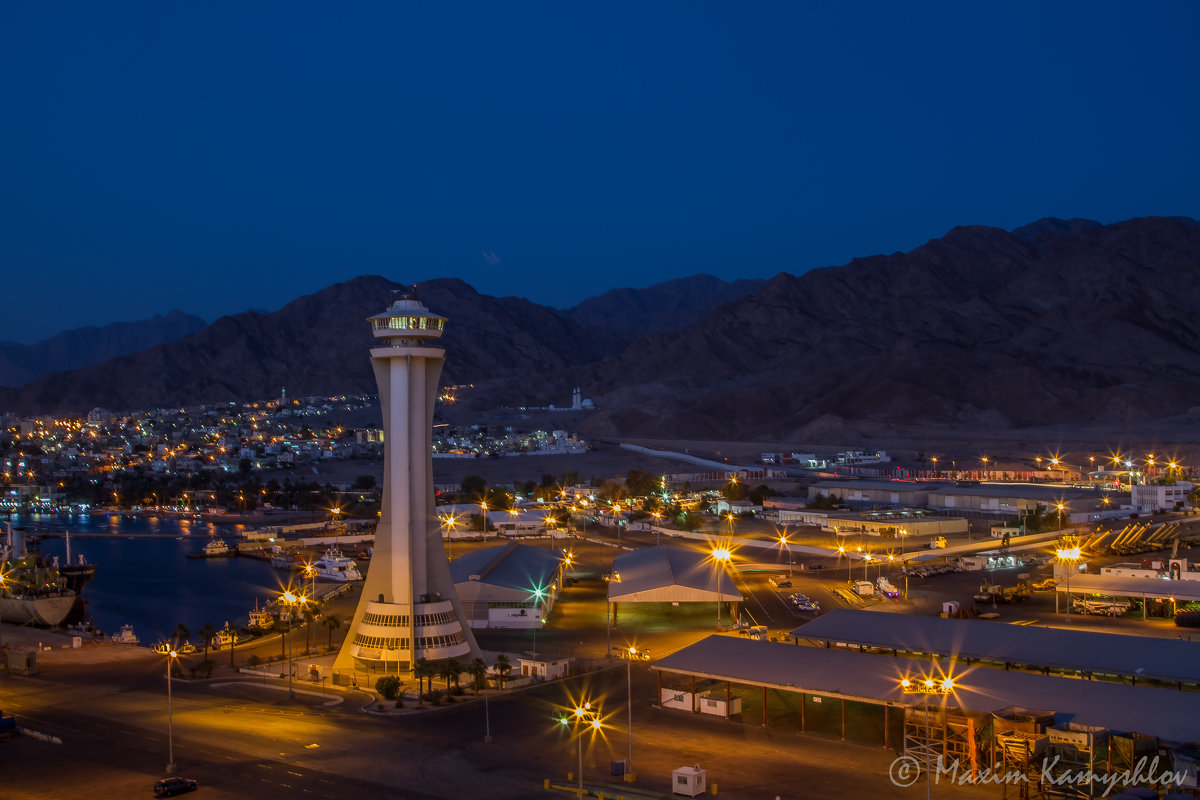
(169, 787)
(886, 588)
(781, 582)
(803, 602)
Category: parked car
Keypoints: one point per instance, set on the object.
(168, 787)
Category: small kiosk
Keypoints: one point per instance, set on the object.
(688, 781)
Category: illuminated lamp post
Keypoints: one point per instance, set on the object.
(720, 556)
(310, 572)
(629, 774)
(1069, 555)
(783, 540)
(586, 716)
(291, 600)
(171, 654)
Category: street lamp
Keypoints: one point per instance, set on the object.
(449, 521)
(849, 561)
(720, 555)
(657, 532)
(629, 774)
(310, 572)
(783, 540)
(1070, 555)
(290, 600)
(171, 654)
(586, 716)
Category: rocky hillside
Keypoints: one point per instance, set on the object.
(1058, 322)
(315, 345)
(21, 363)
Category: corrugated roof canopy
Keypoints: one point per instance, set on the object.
(1055, 648)
(1122, 586)
(668, 574)
(1166, 713)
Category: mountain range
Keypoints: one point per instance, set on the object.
(1059, 321)
(21, 363)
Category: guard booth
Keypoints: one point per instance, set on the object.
(688, 781)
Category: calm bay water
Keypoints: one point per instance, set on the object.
(149, 582)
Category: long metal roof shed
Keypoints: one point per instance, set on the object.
(1121, 586)
(1023, 645)
(869, 678)
(668, 574)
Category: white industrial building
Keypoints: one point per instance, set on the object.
(508, 586)
(1153, 498)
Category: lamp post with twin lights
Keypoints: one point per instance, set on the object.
(585, 717)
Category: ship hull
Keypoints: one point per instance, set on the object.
(49, 611)
(78, 576)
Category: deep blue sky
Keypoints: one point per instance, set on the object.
(218, 157)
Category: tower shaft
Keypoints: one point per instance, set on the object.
(409, 609)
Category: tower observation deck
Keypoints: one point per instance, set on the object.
(408, 609)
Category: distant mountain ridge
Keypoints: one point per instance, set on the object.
(632, 313)
(1059, 321)
(21, 363)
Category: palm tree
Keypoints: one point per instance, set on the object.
(206, 633)
(181, 634)
(478, 671)
(309, 619)
(422, 669)
(283, 627)
(331, 623)
(233, 635)
(450, 670)
(503, 667)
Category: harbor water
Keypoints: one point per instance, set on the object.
(144, 577)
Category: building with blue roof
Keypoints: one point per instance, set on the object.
(508, 586)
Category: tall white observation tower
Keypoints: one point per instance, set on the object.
(409, 609)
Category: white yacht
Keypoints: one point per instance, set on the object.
(333, 566)
(126, 636)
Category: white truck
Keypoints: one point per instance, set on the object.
(886, 588)
(864, 588)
